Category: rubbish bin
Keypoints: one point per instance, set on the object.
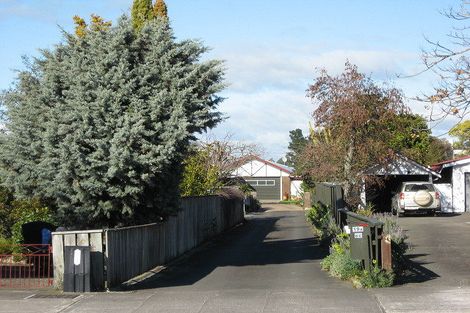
(365, 235)
(77, 269)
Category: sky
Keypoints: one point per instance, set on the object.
(272, 50)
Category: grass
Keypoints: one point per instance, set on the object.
(296, 202)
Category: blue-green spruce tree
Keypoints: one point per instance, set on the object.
(100, 124)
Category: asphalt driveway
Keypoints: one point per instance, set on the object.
(271, 264)
(439, 279)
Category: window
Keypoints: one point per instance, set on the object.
(418, 187)
(262, 182)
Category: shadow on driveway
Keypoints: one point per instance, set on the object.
(265, 239)
(415, 271)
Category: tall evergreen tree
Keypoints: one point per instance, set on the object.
(160, 10)
(141, 13)
(101, 123)
(296, 145)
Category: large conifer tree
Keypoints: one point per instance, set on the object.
(100, 124)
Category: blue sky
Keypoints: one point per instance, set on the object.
(271, 49)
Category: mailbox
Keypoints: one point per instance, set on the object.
(365, 234)
(77, 269)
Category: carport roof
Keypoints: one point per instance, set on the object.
(401, 165)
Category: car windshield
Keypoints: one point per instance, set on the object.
(418, 187)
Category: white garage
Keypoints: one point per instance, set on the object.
(272, 181)
(454, 184)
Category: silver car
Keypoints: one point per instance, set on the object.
(415, 197)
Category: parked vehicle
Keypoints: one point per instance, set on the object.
(416, 197)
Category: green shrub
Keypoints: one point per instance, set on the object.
(367, 211)
(344, 267)
(339, 263)
(376, 278)
(26, 211)
(322, 221)
(327, 261)
(6, 245)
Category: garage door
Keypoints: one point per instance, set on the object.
(267, 188)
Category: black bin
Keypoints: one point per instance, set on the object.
(77, 269)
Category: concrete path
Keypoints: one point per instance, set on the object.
(271, 264)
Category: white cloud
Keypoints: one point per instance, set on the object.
(266, 97)
(289, 66)
(265, 117)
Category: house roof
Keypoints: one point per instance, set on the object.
(449, 163)
(281, 167)
(401, 165)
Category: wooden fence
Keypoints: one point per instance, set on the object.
(123, 253)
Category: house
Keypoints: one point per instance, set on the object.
(272, 181)
(454, 183)
(400, 169)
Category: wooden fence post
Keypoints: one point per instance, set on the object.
(387, 252)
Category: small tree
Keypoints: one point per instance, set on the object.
(200, 177)
(211, 164)
(350, 130)
(97, 24)
(160, 10)
(439, 150)
(462, 132)
(141, 13)
(296, 145)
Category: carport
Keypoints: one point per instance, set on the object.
(401, 169)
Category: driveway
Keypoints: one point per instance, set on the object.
(439, 280)
(270, 264)
(269, 207)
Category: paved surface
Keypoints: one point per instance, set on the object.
(270, 207)
(440, 280)
(271, 264)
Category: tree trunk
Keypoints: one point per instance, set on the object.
(347, 169)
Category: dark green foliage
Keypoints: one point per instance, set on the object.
(101, 124)
(439, 150)
(296, 145)
(141, 13)
(410, 136)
